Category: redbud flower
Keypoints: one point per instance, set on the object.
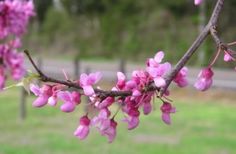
(110, 132)
(132, 119)
(70, 100)
(181, 77)
(83, 129)
(157, 70)
(147, 108)
(198, 2)
(2, 77)
(43, 94)
(102, 121)
(86, 82)
(204, 80)
(105, 103)
(227, 57)
(121, 80)
(166, 110)
(15, 61)
(52, 101)
(15, 16)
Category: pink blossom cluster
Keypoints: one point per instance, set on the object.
(11, 62)
(14, 18)
(140, 99)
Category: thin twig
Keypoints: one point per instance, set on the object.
(196, 44)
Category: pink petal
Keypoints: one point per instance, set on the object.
(147, 108)
(68, 107)
(159, 56)
(136, 93)
(82, 132)
(93, 78)
(197, 2)
(131, 84)
(159, 82)
(166, 118)
(52, 101)
(152, 71)
(227, 57)
(152, 63)
(83, 79)
(35, 89)
(203, 84)
(40, 101)
(76, 97)
(65, 96)
(163, 69)
(88, 90)
(121, 76)
(2, 82)
(132, 122)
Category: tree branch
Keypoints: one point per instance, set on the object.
(196, 44)
(169, 77)
(70, 84)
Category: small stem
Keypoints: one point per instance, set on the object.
(232, 43)
(215, 57)
(33, 63)
(117, 111)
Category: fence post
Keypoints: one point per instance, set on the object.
(76, 68)
(122, 66)
(22, 104)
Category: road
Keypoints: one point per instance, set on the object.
(222, 78)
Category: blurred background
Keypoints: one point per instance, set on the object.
(119, 35)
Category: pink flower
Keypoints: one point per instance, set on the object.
(204, 80)
(105, 103)
(121, 80)
(15, 16)
(157, 70)
(102, 121)
(86, 82)
(52, 101)
(110, 132)
(157, 59)
(43, 94)
(166, 109)
(2, 77)
(227, 57)
(83, 129)
(198, 2)
(181, 77)
(147, 108)
(70, 100)
(15, 61)
(132, 119)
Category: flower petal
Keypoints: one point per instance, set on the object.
(65, 96)
(40, 101)
(88, 90)
(68, 107)
(82, 132)
(159, 56)
(166, 118)
(159, 82)
(35, 89)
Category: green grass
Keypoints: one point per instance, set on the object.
(200, 126)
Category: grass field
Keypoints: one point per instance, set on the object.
(204, 124)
